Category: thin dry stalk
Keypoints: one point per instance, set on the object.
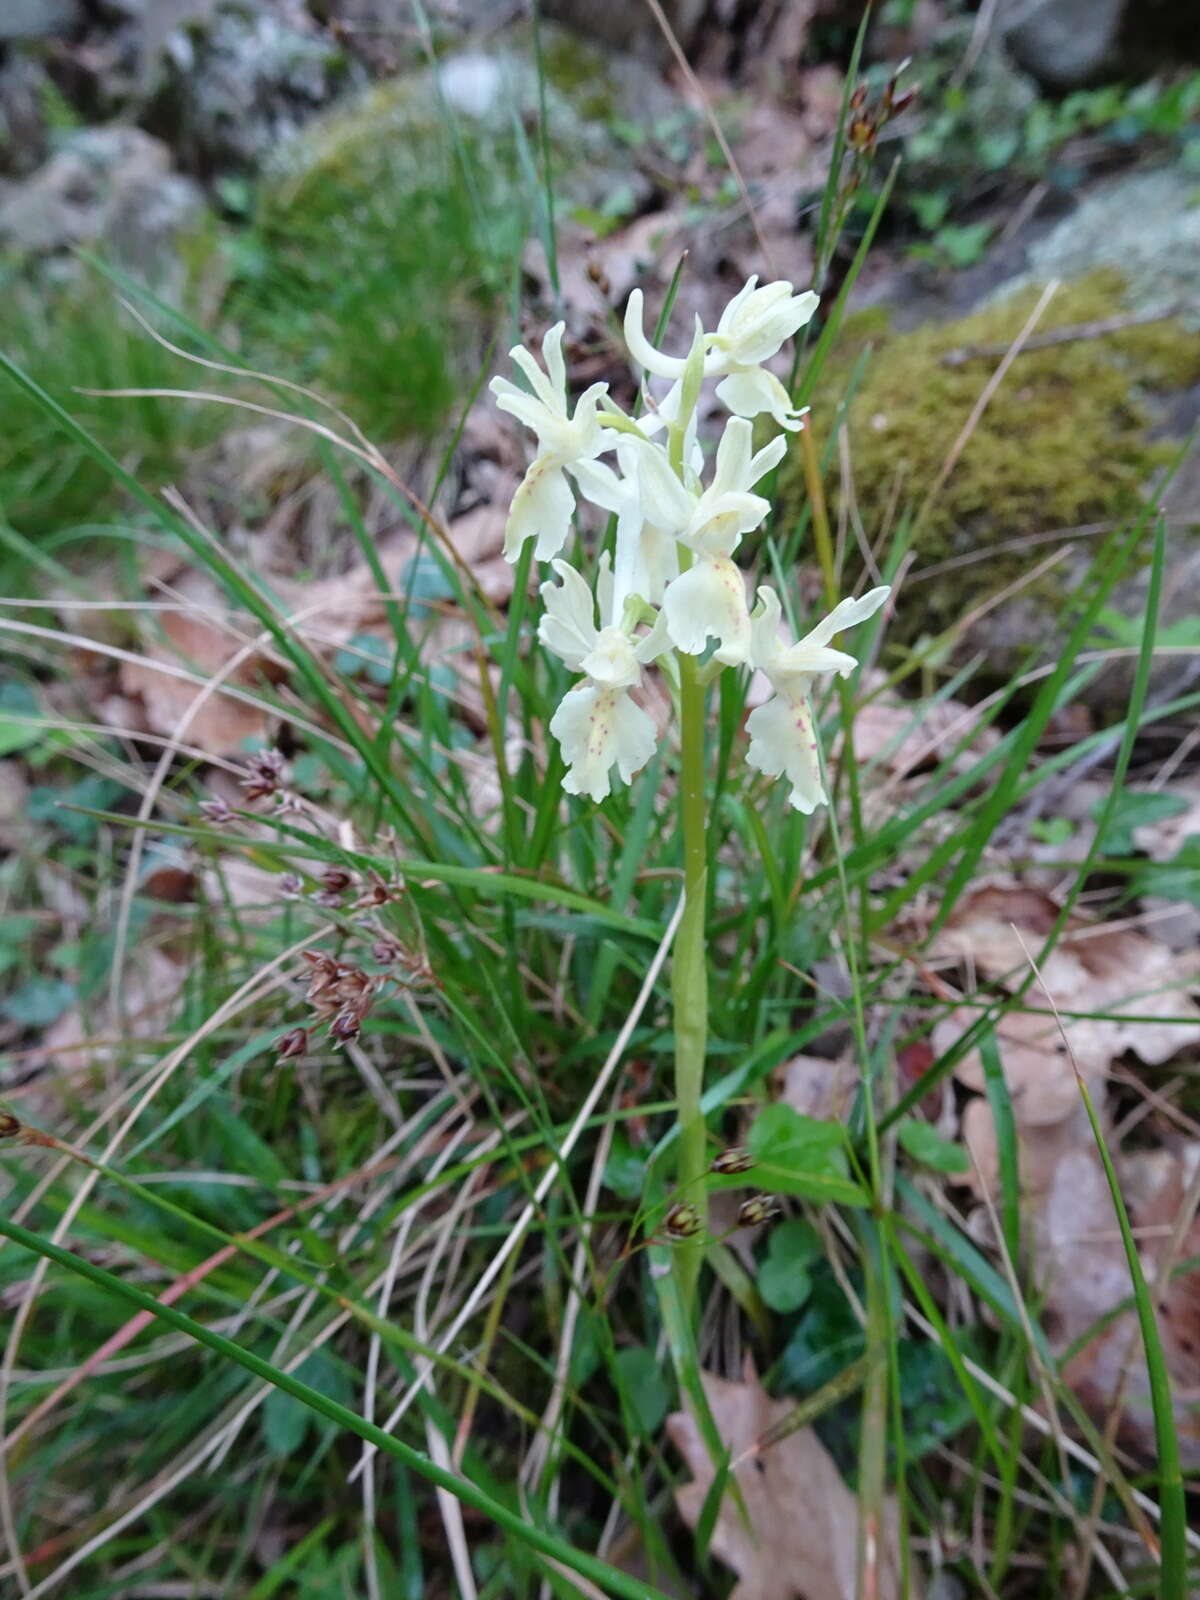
(547, 1181)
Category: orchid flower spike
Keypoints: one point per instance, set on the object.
(542, 506)
(783, 738)
(597, 724)
(709, 599)
(753, 328)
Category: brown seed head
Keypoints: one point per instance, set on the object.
(264, 774)
(346, 1025)
(681, 1222)
(377, 892)
(735, 1159)
(217, 811)
(293, 1043)
(324, 975)
(759, 1208)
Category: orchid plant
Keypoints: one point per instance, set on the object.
(672, 596)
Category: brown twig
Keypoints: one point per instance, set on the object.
(1053, 336)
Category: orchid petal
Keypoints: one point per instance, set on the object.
(733, 456)
(783, 741)
(640, 348)
(567, 626)
(753, 391)
(846, 614)
(597, 728)
(541, 509)
(709, 598)
(613, 663)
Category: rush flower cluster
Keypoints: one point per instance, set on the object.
(672, 583)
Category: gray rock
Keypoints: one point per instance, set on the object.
(627, 24)
(236, 79)
(1144, 224)
(1067, 43)
(38, 19)
(24, 137)
(113, 188)
(401, 128)
(1064, 43)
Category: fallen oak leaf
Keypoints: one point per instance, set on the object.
(906, 736)
(199, 634)
(1035, 1059)
(817, 1087)
(802, 1538)
(1136, 987)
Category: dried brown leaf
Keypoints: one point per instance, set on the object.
(802, 1542)
(150, 986)
(1035, 1059)
(817, 1088)
(907, 735)
(14, 798)
(1137, 985)
(204, 638)
(1082, 1263)
(1077, 1263)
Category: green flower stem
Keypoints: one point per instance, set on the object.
(689, 969)
(689, 978)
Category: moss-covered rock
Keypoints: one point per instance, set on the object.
(1069, 438)
(387, 229)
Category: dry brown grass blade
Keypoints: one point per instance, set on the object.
(985, 397)
(711, 118)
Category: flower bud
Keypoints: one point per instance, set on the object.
(264, 774)
(293, 1043)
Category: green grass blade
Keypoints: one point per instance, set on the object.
(1174, 1579)
(525, 1531)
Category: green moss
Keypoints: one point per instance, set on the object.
(375, 253)
(1064, 440)
(582, 72)
(75, 338)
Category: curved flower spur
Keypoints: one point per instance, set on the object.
(674, 587)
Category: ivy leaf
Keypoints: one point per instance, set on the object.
(1177, 879)
(926, 1145)
(1133, 810)
(625, 1169)
(38, 1003)
(795, 1154)
(645, 1392)
(285, 1421)
(783, 1278)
